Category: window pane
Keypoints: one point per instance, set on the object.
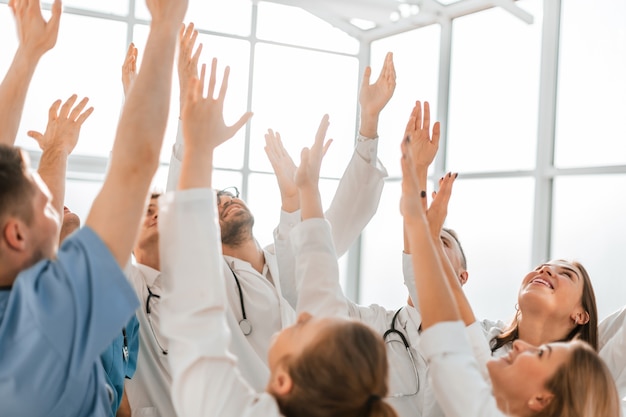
(79, 196)
(494, 90)
(119, 7)
(381, 257)
(232, 16)
(591, 230)
(592, 87)
(417, 80)
(293, 25)
(88, 66)
(8, 34)
(493, 218)
(293, 89)
(232, 52)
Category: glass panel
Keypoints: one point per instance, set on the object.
(493, 218)
(119, 7)
(88, 66)
(8, 35)
(592, 86)
(292, 97)
(591, 231)
(232, 16)
(232, 52)
(417, 80)
(79, 196)
(263, 198)
(293, 25)
(494, 91)
(381, 256)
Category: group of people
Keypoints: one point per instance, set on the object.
(166, 304)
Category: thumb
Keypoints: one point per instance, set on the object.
(366, 77)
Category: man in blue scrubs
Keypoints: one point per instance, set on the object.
(59, 311)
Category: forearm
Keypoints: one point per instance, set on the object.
(52, 170)
(465, 309)
(13, 92)
(435, 297)
(311, 202)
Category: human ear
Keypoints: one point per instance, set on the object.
(540, 401)
(580, 317)
(14, 234)
(281, 382)
(463, 277)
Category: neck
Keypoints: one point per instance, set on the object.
(148, 258)
(248, 251)
(537, 330)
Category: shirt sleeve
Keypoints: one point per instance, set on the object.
(611, 325)
(132, 340)
(317, 271)
(409, 278)
(285, 256)
(205, 377)
(357, 196)
(173, 173)
(82, 300)
(456, 380)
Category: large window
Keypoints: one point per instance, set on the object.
(531, 119)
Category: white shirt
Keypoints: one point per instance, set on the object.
(455, 374)
(149, 391)
(206, 377)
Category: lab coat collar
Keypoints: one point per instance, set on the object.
(149, 274)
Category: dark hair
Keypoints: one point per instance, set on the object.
(583, 386)
(452, 233)
(342, 374)
(587, 332)
(16, 190)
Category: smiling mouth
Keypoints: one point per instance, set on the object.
(229, 210)
(542, 281)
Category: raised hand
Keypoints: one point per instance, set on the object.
(308, 173)
(423, 147)
(284, 169)
(64, 124)
(187, 59)
(374, 97)
(203, 116)
(129, 68)
(438, 210)
(57, 142)
(35, 34)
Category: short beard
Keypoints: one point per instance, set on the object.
(237, 231)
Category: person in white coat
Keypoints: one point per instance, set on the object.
(318, 366)
(410, 392)
(260, 289)
(556, 379)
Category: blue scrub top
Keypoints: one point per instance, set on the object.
(55, 321)
(117, 368)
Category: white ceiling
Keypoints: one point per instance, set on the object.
(368, 20)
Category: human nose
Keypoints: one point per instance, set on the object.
(547, 269)
(520, 346)
(304, 317)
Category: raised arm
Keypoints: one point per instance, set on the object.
(187, 71)
(36, 37)
(437, 303)
(117, 210)
(424, 147)
(204, 376)
(57, 142)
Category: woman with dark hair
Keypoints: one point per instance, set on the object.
(556, 379)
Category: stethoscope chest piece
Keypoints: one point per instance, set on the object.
(245, 326)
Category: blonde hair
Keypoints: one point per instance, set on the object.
(582, 387)
(343, 373)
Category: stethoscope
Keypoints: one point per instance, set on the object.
(393, 330)
(244, 323)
